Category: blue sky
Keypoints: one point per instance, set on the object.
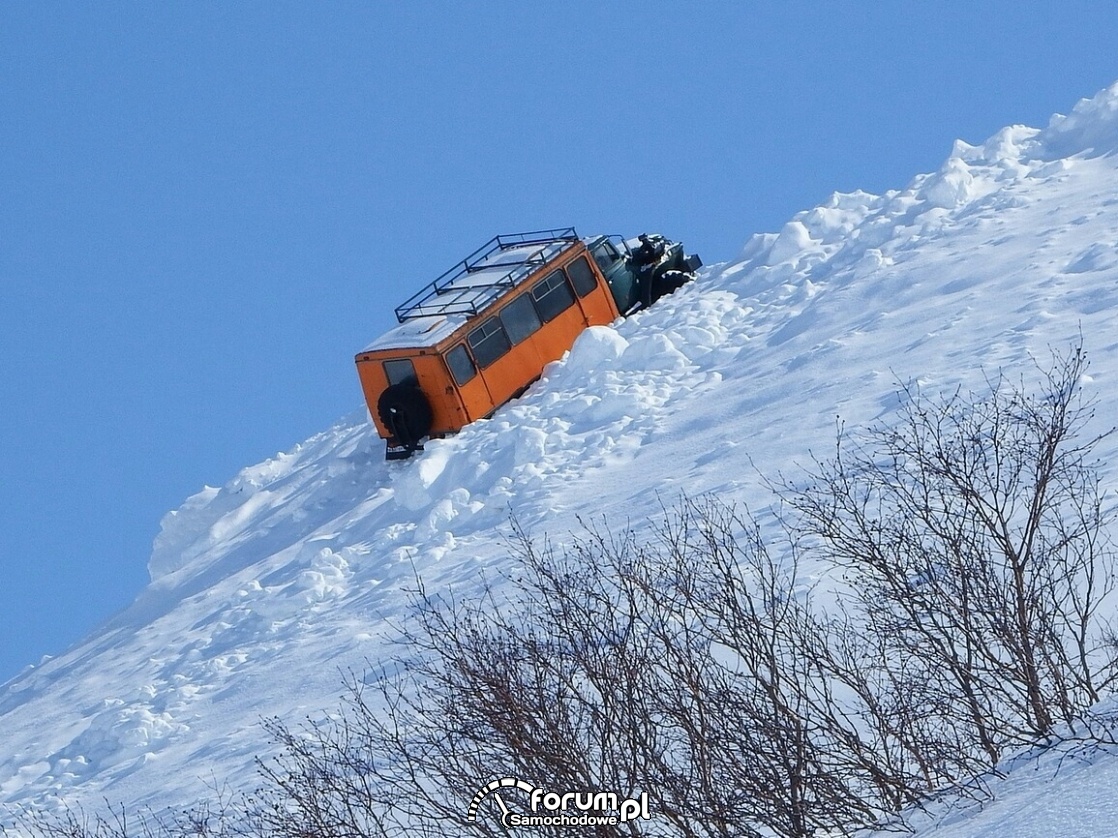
(206, 209)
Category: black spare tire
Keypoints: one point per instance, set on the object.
(406, 413)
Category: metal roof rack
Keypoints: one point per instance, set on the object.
(466, 288)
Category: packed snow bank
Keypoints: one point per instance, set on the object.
(1091, 129)
(256, 506)
(265, 589)
(1064, 790)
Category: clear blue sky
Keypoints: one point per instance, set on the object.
(207, 208)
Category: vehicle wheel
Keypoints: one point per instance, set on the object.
(406, 413)
(671, 281)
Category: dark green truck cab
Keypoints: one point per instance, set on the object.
(641, 271)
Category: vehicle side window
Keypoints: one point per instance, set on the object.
(553, 296)
(461, 364)
(489, 342)
(606, 255)
(582, 278)
(520, 319)
(401, 371)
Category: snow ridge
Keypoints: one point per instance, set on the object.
(263, 590)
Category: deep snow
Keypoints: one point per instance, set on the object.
(266, 589)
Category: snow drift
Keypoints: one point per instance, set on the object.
(266, 589)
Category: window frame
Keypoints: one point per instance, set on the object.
(563, 282)
(450, 365)
(612, 255)
(594, 284)
(523, 300)
(483, 360)
(411, 378)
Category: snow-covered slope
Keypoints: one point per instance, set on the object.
(1063, 791)
(264, 590)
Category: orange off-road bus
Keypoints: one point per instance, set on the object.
(482, 332)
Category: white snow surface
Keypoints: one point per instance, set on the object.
(265, 590)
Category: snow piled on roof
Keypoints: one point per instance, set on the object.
(266, 589)
(435, 312)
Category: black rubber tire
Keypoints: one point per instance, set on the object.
(406, 413)
(670, 282)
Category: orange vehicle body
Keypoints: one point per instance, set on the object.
(461, 374)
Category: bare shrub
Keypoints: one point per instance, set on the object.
(690, 662)
(674, 666)
(975, 542)
(220, 818)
